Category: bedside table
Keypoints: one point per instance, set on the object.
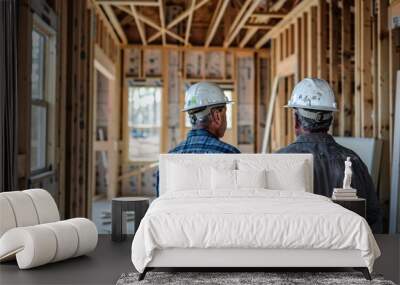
(123, 204)
(357, 205)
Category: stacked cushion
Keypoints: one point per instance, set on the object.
(31, 232)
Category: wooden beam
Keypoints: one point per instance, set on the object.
(115, 23)
(128, 2)
(239, 16)
(258, 26)
(312, 42)
(297, 49)
(357, 71)
(103, 17)
(179, 18)
(162, 20)
(345, 103)
(323, 39)
(269, 15)
(287, 67)
(139, 25)
(250, 32)
(289, 18)
(189, 22)
(334, 36)
(277, 5)
(304, 45)
(150, 22)
(185, 14)
(242, 21)
(366, 71)
(216, 19)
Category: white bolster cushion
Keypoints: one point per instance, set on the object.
(40, 244)
(7, 218)
(87, 235)
(23, 208)
(45, 205)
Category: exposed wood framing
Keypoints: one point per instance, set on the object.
(290, 17)
(312, 42)
(189, 22)
(162, 20)
(115, 23)
(249, 34)
(345, 103)
(322, 39)
(216, 19)
(241, 21)
(139, 25)
(334, 39)
(366, 70)
(179, 19)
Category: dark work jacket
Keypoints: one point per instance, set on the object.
(329, 158)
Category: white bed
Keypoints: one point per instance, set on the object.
(213, 211)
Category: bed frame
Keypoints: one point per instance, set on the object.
(246, 258)
(242, 259)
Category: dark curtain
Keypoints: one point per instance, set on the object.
(8, 95)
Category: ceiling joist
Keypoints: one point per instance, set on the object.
(247, 18)
(249, 34)
(216, 19)
(189, 22)
(139, 25)
(115, 23)
(242, 21)
(162, 20)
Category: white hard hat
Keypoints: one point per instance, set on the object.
(313, 93)
(204, 94)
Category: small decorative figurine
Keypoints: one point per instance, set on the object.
(347, 174)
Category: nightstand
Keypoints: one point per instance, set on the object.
(120, 205)
(357, 205)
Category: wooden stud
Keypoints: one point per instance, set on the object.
(297, 49)
(345, 103)
(304, 46)
(322, 39)
(366, 76)
(334, 35)
(357, 72)
(189, 22)
(312, 42)
(165, 102)
(162, 20)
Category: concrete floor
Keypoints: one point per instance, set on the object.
(110, 260)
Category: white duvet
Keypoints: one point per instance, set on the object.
(250, 219)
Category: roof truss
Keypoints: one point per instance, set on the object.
(248, 18)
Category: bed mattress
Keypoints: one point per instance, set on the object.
(250, 219)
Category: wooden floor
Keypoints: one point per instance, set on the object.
(110, 260)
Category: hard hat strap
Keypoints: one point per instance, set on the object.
(316, 116)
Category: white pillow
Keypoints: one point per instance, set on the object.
(194, 175)
(182, 177)
(223, 179)
(251, 178)
(280, 175)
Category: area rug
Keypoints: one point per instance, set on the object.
(229, 278)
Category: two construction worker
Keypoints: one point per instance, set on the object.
(313, 102)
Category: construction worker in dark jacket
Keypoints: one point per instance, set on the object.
(313, 102)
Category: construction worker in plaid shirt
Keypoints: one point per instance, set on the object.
(205, 103)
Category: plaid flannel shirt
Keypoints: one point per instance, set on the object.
(201, 141)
